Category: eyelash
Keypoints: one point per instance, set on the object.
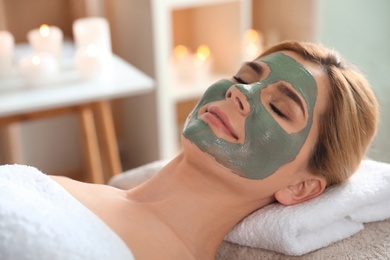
(239, 80)
(277, 111)
(274, 108)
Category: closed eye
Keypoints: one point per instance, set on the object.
(277, 111)
(239, 80)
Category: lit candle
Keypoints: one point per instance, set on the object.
(181, 65)
(7, 43)
(252, 44)
(92, 30)
(202, 61)
(39, 68)
(91, 62)
(46, 39)
(180, 52)
(202, 55)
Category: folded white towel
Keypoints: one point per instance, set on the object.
(41, 220)
(299, 229)
(295, 230)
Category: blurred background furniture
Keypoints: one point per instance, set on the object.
(89, 100)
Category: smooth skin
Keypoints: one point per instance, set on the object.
(185, 211)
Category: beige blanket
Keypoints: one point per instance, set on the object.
(373, 242)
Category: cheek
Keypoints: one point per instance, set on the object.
(268, 146)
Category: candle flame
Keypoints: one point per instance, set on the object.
(36, 60)
(180, 52)
(252, 35)
(252, 50)
(252, 44)
(203, 52)
(44, 30)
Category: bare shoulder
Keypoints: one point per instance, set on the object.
(142, 230)
(77, 188)
(107, 202)
(150, 238)
(66, 182)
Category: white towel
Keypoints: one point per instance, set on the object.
(41, 220)
(295, 230)
(338, 213)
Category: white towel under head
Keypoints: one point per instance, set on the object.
(338, 213)
(295, 230)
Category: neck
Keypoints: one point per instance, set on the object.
(196, 205)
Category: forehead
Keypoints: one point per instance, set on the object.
(320, 76)
(293, 70)
(289, 60)
(284, 68)
(286, 65)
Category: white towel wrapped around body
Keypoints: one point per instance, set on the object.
(41, 220)
(295, 230)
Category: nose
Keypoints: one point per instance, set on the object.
(239, 100)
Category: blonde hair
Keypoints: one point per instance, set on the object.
(350, 120)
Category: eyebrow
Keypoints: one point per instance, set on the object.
(255, 66)
(292, 95)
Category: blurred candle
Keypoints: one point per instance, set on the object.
(91, 62)
(252, 45)
(181, 65)
(92, 30)
(46, 39)
(7, 44)
(202, 61)
(180, 52)
(202, 55)
(38, 69)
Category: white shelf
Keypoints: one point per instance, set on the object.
(177, 4)
(224, 37)
(69, 88)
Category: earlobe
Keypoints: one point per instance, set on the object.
(302, 191)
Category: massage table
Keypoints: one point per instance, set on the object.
(39, 219)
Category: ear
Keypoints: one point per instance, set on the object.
(308, 188)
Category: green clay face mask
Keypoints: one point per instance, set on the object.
(267, 145)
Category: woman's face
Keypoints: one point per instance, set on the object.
(263, 118)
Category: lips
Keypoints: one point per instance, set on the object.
(221, 121)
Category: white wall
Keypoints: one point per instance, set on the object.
(131, 31)
(359, 30)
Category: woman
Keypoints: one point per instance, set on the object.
(286, 126)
